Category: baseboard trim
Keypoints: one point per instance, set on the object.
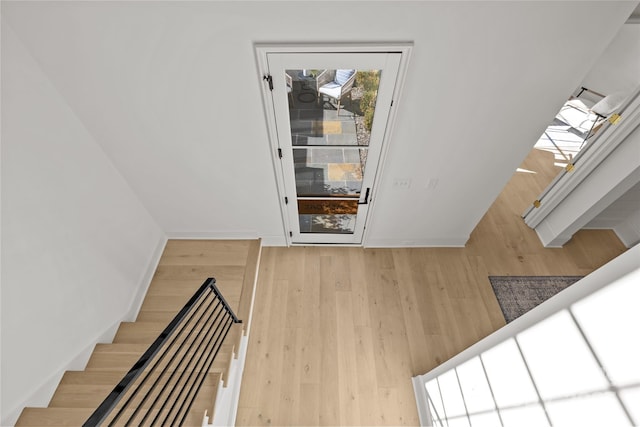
(628, 233)
(272, 240)
(434, 242)
(548, 237)
(42, 395)
(279, 241)
(213, 235)
(145, 280)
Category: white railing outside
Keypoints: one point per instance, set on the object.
(573, 360)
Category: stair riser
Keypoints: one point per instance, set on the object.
(114, 362)
(182, 269)
(92, 397)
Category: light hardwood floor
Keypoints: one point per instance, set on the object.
(338, 333)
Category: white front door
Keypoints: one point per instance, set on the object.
(330, 113)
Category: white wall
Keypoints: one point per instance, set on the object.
(616, 174)
(629, 230)
(618, 69)
(619, 210)
(77, 244)
(179, 81)
(622, 216)
(109, 106)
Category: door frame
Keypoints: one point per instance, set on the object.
(263, 49)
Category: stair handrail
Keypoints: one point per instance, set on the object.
(158, 349)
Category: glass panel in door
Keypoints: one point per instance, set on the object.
(331, 135)
(330, 140)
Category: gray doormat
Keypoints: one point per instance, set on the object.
(519, 294)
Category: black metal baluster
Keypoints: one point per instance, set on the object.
(234, 320)
(197, 314)
(165, 352)
(173, 358)
(211, 325)
(204, 370)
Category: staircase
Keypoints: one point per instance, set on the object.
(182, 269)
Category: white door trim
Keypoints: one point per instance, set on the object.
(263, 49)
(610, 139)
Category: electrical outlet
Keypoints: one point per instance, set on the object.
(431, 184)
(401, 183)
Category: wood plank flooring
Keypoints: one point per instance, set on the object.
(338, 333)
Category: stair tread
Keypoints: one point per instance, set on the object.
(46, 417)
(121, 348)
(134, 348)
(100, 377)
(193, 419)
(103, 377)
(155, 316)
(230, 283)
(184, 266)
(74, 417)
(221, 252)
(138, 332)
(125, 361)
(91, 395)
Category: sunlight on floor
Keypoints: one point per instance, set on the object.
(525, 170)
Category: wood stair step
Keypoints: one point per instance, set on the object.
(91, 396)
(121, 348)
(182, 269)
(193, 419)
(74, 417)
(165, 316)
(124, 359)
(141, 332)
(160, 315)
(102, 377)
(168, 306)
(211, 252)
(169, 303)
(199, 272)
(138, 332)
(80, 395)
(184, 285)
(204, 403)
(115, 357)
(52, 417)
(174, 303)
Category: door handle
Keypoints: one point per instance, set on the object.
(366, 198)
